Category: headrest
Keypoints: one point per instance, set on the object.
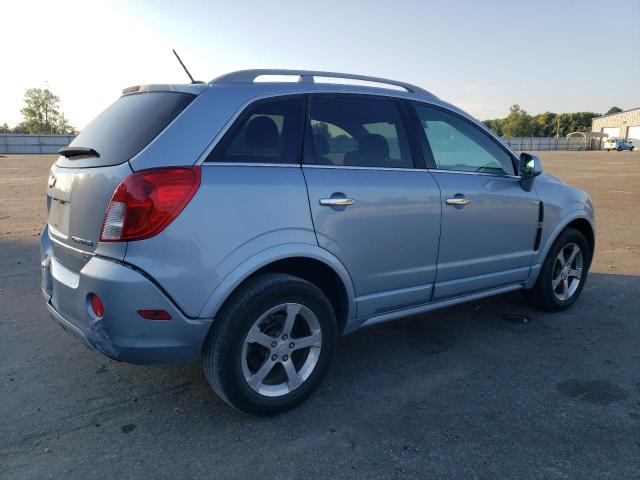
(322, 144)
(373, 148)
(262, 132)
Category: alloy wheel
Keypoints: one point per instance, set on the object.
(281, 349)
(567, 271)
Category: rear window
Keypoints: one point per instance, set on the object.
(127, 126)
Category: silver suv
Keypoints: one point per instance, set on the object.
(253, 223)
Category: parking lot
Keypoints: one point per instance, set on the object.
(492, 389)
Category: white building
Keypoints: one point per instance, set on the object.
(619, 125)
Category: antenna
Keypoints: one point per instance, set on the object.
(185, 68)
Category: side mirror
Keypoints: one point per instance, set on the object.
(530, 168)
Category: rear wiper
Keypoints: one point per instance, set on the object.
(78, 151)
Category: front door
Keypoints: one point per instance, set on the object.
(371, 208)
(488, 221)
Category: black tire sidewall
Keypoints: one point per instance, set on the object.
(239, 321)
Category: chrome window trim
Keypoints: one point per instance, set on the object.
(296, 165)
(250, 164)
(463, 172)
(348, 167)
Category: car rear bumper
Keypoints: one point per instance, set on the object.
(122, 334)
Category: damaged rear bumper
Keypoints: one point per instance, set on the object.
(121, 334)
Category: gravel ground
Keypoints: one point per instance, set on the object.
(469, 392)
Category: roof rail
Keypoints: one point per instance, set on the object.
(306, 76)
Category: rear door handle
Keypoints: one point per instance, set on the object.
(458, 201)
(336, 202)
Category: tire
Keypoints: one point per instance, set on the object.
(236, 354)
(543, 294)
(619, 149)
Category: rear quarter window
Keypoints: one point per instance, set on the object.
(126, 127)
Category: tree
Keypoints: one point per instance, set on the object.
(518, 123)
(4, 128)
(63, 126)
(496, 125)
(41, 113)
(548, 124)
(614, 110)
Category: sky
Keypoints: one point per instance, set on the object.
(483, 56)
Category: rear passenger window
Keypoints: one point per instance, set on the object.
(268, 132)
(357, 132)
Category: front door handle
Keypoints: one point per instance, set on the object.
(458, 201)
(336, 202)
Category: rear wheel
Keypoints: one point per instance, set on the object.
(563, 273)
(272, 344)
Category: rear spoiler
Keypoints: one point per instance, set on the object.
(194, 89)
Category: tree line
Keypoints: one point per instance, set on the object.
(40, 115)
(520, 124)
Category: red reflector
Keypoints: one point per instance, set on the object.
(147, 201)
(154, 314)
(97, 306)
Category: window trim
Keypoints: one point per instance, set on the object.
(428, 153)
(239, 121)
(417, 159)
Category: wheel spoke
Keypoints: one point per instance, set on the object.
(313, 340)
(573, 254)
(256, 336)
(293, 378)
(565, 288)
(561, 258)
(292, 312)
(257, 378)
(555, 282)
(575, 272)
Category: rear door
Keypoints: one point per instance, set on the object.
(371, 207)
(488, 221)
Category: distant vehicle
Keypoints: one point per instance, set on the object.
(618, 144)
(252, 223)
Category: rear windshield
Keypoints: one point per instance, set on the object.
(126, 127)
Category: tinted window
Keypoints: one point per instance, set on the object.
(458, 145)
(357, 132)
(129, 125)
(268, 132)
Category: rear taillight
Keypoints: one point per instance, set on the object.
(147, 201)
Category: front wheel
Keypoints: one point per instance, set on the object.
(272, 344)
(563, 273)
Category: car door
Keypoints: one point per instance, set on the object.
(376, 212)
(489, 221)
